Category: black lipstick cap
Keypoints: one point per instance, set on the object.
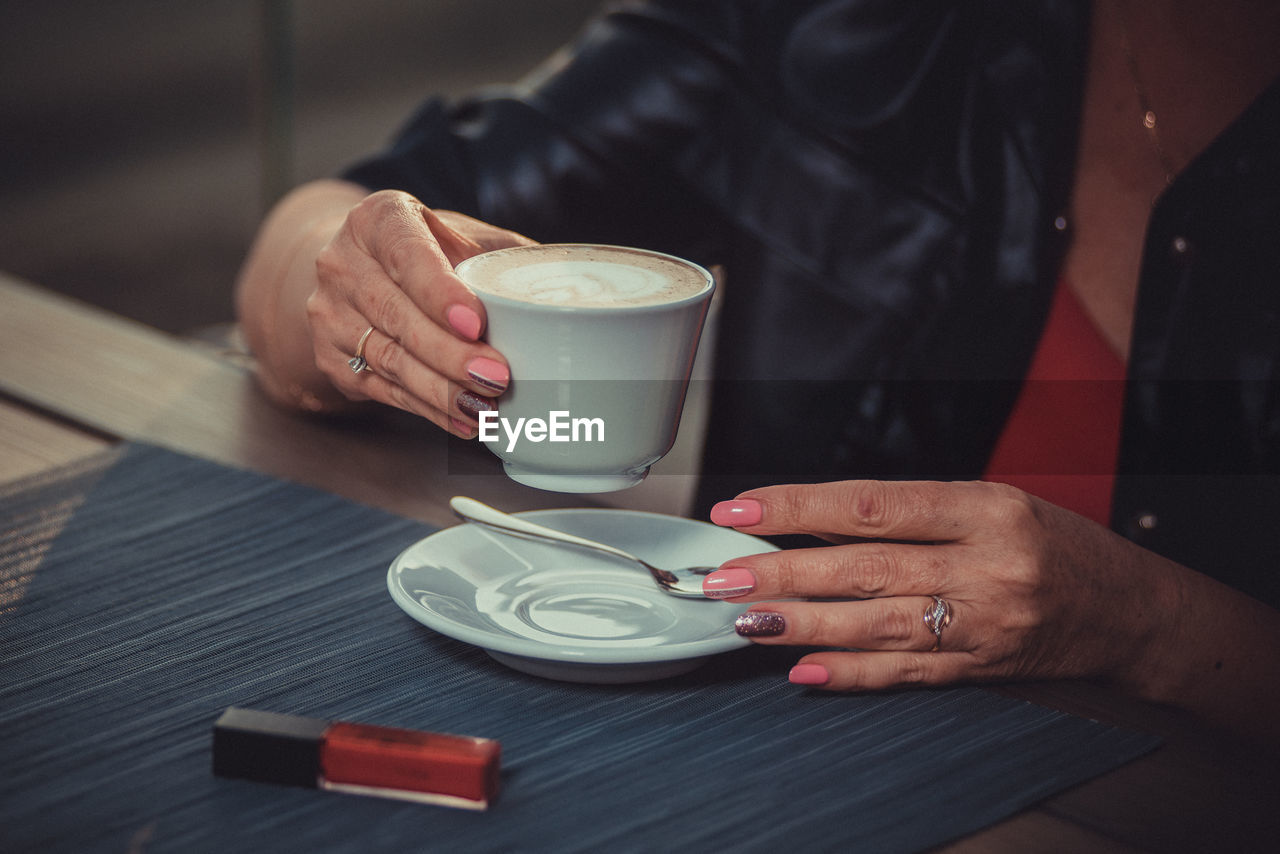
(268, 747)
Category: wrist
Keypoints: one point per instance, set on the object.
(1159, 615)
(1206, 647)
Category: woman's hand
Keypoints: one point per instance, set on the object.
(332, 262)
(390, 267)
(1035, 591)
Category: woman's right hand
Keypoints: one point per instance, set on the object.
(389, 266)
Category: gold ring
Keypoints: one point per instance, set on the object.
(937, 617)
(358, 362)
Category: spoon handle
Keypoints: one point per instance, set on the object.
(478, 511)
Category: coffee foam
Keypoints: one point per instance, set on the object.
(583, 276)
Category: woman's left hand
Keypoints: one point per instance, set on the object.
(1035, 591)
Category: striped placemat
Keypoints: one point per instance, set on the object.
(142, 596)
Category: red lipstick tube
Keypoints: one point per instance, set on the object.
(426, 767)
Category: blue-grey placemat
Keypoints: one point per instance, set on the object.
(177, 587)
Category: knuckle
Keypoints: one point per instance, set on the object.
(872, 505)
(787, 507)
(443, 394)
(787, 576)
(894, 626)
(316, 308)
(391, 362)
(796, 508)
(992, 656)
(1017, 620)
(912, 670)
(389, 225)
(385, 311)
(823, 625)
(816, 571)
(320, 312)
(377, 206)
(1008, 506)
(398, 255)
(875, 571)
(330, 264)
(798, 571)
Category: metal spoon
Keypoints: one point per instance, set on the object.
(679, 582)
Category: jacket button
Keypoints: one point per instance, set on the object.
(1180, 246)
(1147, 521)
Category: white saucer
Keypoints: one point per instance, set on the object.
(566, 613)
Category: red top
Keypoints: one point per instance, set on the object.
(1062, 438)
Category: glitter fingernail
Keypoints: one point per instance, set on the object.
(471, 405)
(758, 624)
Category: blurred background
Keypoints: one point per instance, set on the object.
(142, 140)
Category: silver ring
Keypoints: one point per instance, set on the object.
(358, 362)
(937, 617)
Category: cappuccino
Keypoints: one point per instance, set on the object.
(585, 276)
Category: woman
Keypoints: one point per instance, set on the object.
(927, 214)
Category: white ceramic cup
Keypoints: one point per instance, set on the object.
(600, 345)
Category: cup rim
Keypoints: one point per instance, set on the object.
(702, 294)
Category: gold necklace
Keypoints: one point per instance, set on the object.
(1150, 123)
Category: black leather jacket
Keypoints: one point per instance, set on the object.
(883, 182)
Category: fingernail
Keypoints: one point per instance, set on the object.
(464, 429)
(489, 373)
(728, 582)
(464, 321)
(809, 674)
(760, 624)
(472, 405)
(741, 513)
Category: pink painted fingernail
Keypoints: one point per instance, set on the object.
(464, 321)
(809, 674)
(489, 373)
(741, 513)
(760, 624)
(728, 582)
(464, 429)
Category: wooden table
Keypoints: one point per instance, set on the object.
(75, 380)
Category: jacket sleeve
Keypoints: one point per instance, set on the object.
(596, 145)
